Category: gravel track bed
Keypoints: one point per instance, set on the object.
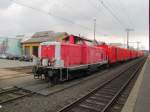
(53, 103)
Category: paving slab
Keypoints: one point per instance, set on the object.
(139, 98)
(143, 99)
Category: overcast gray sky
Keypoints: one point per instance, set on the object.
(76, 17)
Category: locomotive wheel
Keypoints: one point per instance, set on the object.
(88, 71)
(52, 78)
(107, 65)
(55, 80)
(50, 73)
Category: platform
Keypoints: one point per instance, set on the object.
(139, 98)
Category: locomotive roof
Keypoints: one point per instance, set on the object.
(79, 38)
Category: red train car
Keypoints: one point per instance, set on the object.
(111, 52)
(117, 54)
(59, 59)
(120, 55)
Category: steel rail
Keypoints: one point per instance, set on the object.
(5, 91)
(12, 99)
(111, 102)
(14, 91)
(73, 104)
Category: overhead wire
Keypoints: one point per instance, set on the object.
(112, 13)
(81, 14)
(101, 12)
(71, 9)
(123, 8)
(115, 18)
(52, 15)
(72, 22)
(123, 17)
(116, 12)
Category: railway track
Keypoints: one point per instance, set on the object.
(25, 69)
(117, 107)
(5, 77)
(11, 94)
(79, 81)
(104, 97)
(16, 72)
(7, 95)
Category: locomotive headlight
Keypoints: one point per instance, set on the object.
(52, 62)
(49, 64)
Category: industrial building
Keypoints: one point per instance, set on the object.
(31, 46)
(6, 46)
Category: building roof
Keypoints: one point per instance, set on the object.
(43, 34)
(39, 37)
(33, 40)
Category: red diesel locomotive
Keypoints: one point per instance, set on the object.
(59, 59)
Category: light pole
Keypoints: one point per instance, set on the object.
(94, 28)
(138, 45)
(128, 32)
(149, 26)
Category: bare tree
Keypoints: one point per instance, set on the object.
(4, 46)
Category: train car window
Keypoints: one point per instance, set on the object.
(79, 42)
(89, 43)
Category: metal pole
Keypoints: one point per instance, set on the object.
(94, 28)
(149, 26)
(128, 31)
(79, 34)
(127, 39)
(138, 44)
